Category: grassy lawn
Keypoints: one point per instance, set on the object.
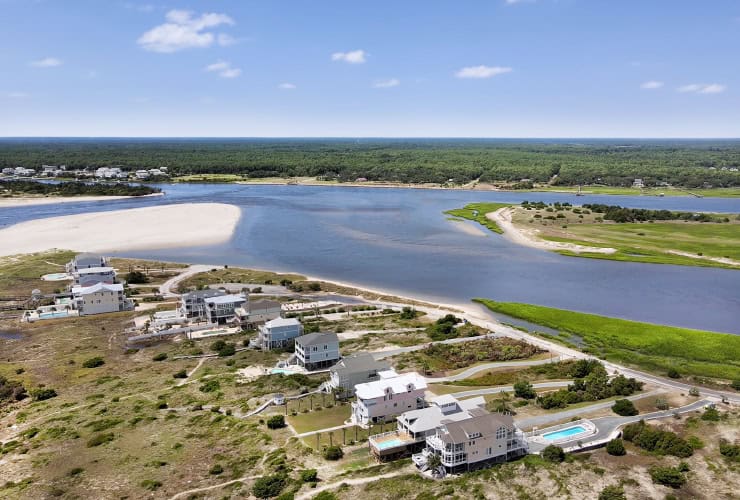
(655, 348)
(208, 178)
(21, 274)
(628, 191)
(321, 419)
(651, 242)
(477, 212)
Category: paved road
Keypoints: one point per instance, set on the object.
(508, 388)
(165, 289)
(576, 412)
(488, 366)
(607, 427)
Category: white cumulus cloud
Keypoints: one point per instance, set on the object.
(703, 88)
(224, 69)
(386, 84)
(287, 86)
(651, 85)
(184, 30)
(352, 57)
(482, 71)
(46, 62)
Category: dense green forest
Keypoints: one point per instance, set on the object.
(13, 187)
(613, 163)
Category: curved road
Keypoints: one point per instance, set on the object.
(489, 366)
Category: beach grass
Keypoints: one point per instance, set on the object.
(732, 192)
(477, 212)
(319, 419)
(655, 348)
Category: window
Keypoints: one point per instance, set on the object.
(501, 433)
(489, 451)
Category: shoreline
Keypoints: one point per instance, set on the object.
(502, 217)
(134, 229)
(26, 201)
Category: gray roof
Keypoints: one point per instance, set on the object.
(202, 294)
(486, 425)
(317, 338)
(261, 305)
(360, 362)
(426, 419)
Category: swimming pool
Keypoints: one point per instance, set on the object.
(51, 315)
(283, 371)
(391, 443)
(56, 277)
(564, 433)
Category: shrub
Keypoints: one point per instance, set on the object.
(269, 486)
(735, 384)
(211, 385)
(136, 278)
(216, 470)
(160, 357)
(150, 484)
(11, 390)
(524, 389)
(624, 407)
(710, 415)
(41, 394)
(659, 441)
(309, 475)
(180, 374)
(661, 404)
(613, 492)
(683, 467)
(99, 439)
(731, 451)
(553, 453)
(333, 452)
(667, 476)
(615, 447)
(276, 422)
(694, 391)
(325, 495)
(93, 362)
(408, 313)
(75, 472)
(673, 373)
(227, 350)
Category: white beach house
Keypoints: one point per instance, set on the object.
(100, 298)
(385, 399)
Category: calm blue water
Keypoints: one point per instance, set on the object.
(399, 240)
(564, 433)
(391, 443)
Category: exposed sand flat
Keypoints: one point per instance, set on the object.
(467, 227)
(528, 237)
(24, 201)
(167, 226)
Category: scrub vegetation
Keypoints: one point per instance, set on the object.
(655, 348)
(9, 188)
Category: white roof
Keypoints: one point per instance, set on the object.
(277, 322)
(95, 270)
(431, 417)
(224, 299)
(390, 373)
(97, 287)
(398, 385)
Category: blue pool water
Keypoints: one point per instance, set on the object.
(564, 433)
(283, 371)
(391, 443)
(59, 314)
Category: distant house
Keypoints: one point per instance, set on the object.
(474, 443)
(317, 350)
(193, 306)
(221, 308)
(100, 298)
(278, 333)
(355, 369)
(385, 399)
(261, 311)
(88, 276)
(414, 426)
(85, 261)
(638, 184)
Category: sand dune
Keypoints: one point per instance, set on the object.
(166, 226)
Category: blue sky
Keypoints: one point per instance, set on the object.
(493, 68)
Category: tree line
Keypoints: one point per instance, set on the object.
(75, 188)
(622, 214)
(682, 163)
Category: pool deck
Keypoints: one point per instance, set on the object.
(608, 428)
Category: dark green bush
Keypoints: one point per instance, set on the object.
(276, 422)
(216, 470)
(309, 475)
(333, 452)
(43, 393)
(613, 492)
(93, 362)
(624, 407)
(100, 439)
(160, 357)
(667, 476)
(553, 453)
(615, 447)
(269, 486)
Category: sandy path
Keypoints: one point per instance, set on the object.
(25, 201)
(529, 238)
(166, 226)
(721, 260)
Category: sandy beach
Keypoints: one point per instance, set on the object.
(168, 226)
(529, 238)
(25, 201)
